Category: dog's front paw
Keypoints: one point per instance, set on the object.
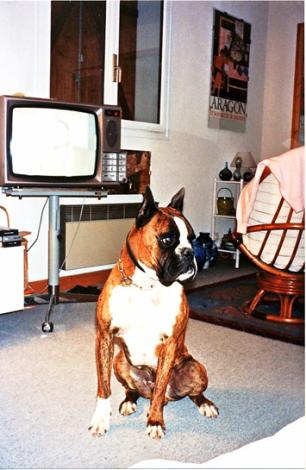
(209, 409)
(101, 418)
(155, 431)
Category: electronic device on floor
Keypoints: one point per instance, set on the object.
(9, 237)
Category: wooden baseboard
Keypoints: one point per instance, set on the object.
(68, 282)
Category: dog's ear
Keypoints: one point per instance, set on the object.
(177, 202)
(147, 209)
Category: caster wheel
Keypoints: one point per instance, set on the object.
(47, 327)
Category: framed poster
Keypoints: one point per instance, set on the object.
(229, 73)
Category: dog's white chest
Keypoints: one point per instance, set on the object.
(144, 317)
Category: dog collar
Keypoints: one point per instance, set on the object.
(127, 281)
(131, 254)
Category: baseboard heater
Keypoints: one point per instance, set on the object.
(94, 236)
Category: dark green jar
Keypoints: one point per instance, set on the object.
(225, 174)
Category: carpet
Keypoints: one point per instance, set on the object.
(222, 304)
(48, 387)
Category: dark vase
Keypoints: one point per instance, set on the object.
(205, 251)
(248, 175)
(237, 174)
(199, 253)
(211, 250)
(225, 174)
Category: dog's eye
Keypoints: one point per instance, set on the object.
(167, 240)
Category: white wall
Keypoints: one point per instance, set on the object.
(193, 154)
(25, 47)
(279, 79)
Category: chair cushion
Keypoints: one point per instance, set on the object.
(267, 199)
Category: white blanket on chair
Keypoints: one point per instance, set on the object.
(288, 169)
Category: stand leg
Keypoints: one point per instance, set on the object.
(53, 260)
(47, 326)
(237, 257)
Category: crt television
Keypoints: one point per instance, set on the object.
(50, 143)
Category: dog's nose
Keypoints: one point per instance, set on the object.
(188, 253)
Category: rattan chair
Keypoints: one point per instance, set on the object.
(274, 241)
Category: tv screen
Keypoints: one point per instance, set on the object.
(52, 143)
(67, 139)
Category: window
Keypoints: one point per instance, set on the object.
(113, 52)
(77, 51)
(140, 46)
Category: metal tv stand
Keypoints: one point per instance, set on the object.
(53, 235)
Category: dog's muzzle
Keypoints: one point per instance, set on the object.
(189, 265)
(179, 266)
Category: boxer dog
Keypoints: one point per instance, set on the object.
(144, 310)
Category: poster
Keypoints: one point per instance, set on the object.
(229, 73)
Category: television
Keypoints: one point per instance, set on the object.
(50, 143)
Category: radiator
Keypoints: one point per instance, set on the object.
(95, 239)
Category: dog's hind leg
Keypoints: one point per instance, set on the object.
(122, 370)
(205, 406)
(129, 405)
(136, 381)
(189, 378)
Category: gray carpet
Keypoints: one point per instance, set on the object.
(48, 383)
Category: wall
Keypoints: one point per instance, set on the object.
(24, 47)
(192, 155)
(279, 79)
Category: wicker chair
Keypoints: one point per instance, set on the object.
(274, 241)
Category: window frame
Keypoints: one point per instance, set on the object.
(137, 129)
